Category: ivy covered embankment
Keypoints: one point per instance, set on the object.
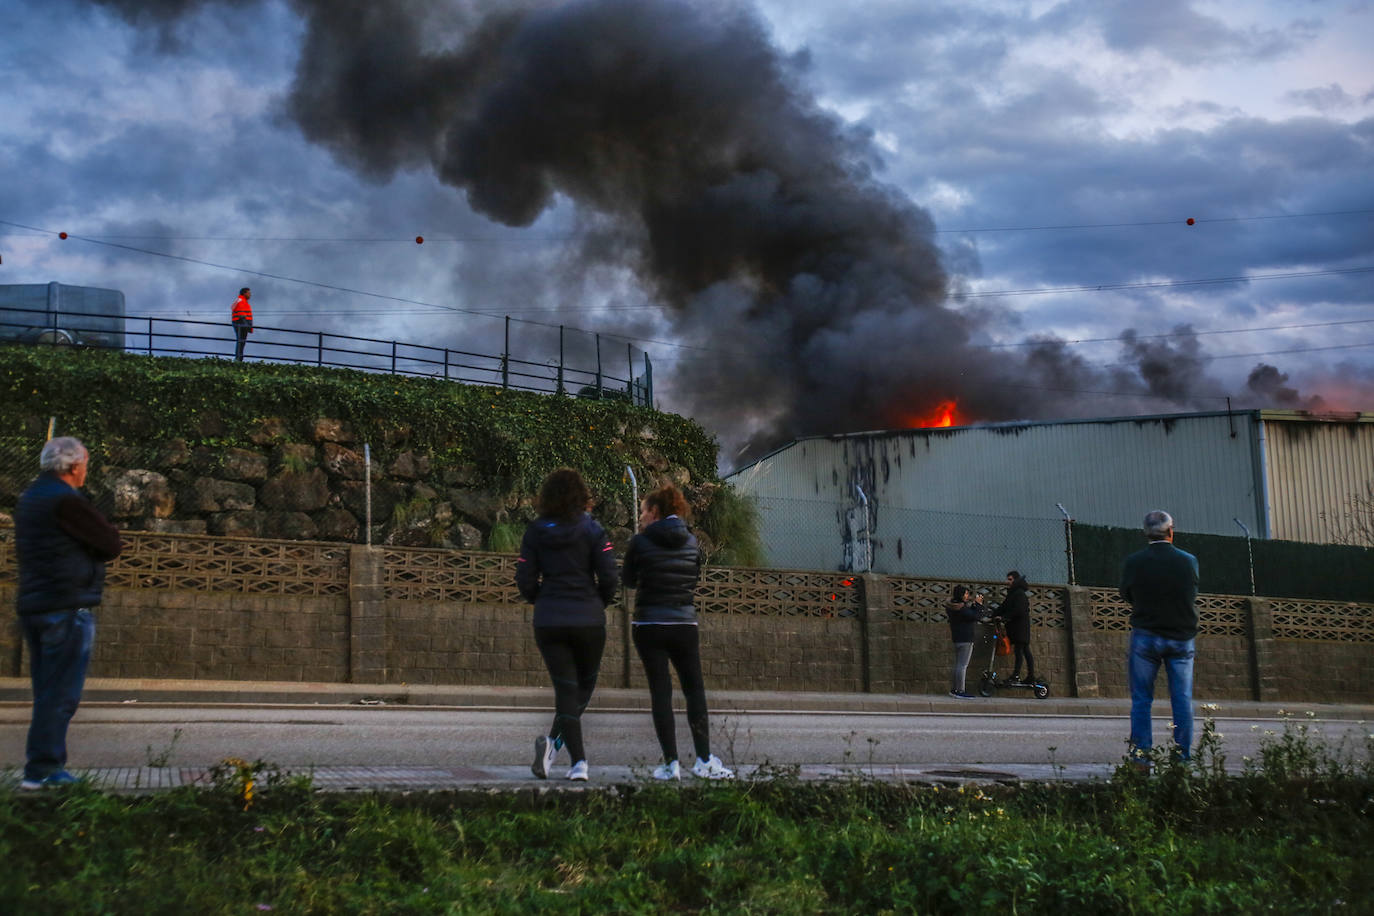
(243, 449)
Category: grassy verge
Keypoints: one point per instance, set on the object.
(1291, 834)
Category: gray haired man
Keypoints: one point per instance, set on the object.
(62, 542)
(1161, 584)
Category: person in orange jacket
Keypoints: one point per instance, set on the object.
(242, 318)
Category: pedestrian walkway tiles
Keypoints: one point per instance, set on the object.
(142, 779)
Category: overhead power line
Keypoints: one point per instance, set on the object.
(1187, 221)
(526, 238)
(497, 313)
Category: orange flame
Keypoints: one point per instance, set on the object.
(945, 414)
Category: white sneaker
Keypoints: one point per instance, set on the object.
(578, 771)
(545, 751)
(711, 768)
(672, 770)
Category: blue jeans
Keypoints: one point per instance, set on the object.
(59, 651)
(1148, 651)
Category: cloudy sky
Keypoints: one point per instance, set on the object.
(815, 217)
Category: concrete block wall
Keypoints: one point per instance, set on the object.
(790, 654)
(264, 632)
(446, 643)
(145, 633)
(1323, 671)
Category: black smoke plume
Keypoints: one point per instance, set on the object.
(809, 296)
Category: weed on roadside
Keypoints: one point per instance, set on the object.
(1189, 838)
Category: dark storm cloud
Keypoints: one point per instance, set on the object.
(699, 162)
(1175, 29)
(1322, 98)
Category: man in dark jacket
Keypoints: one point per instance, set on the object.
(1161, 583)
(62, 543)
(1015, 613)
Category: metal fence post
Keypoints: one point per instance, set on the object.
(319, 348)
(1068, 540)
(150, 335)
(367, 490)
(598, 365)
(393, 357)
(1249, 553)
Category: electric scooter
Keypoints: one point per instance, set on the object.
(991, 682)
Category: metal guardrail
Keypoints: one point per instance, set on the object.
(157, 336)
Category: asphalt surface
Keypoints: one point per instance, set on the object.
(292, 708)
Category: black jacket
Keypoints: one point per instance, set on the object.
(1161, 583)
(62, 543)
(567, 570)
(962, 616)
(1015, 613)
(664, 563)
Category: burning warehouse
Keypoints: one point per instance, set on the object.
(975, 501)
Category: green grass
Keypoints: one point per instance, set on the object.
(1188, 839)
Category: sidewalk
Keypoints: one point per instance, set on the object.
(155, 692)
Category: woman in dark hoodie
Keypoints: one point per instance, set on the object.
(962, 613)
(1015, 613)
(664, 562)
(567, 571)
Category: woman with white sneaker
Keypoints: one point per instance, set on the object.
(663, 563)
(567, 571)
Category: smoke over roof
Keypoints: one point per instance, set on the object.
(698, 161)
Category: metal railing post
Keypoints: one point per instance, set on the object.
(505, 358)
(393, 357)
(598, 366)
(319, 348)
(561, 390)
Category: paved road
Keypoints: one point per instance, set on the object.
(131, 734)
(447, 745)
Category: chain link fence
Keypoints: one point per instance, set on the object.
(18, 468)
(859, 537)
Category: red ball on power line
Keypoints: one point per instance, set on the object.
(419, 240)
(62, 235)
(1190, 220)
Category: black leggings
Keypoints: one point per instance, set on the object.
(659, 644)
(573, 657)
(1023, 651)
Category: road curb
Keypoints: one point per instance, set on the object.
(254, 693)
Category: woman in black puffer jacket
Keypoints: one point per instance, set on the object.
(664, 562)
(567, 571)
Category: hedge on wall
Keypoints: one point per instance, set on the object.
(1289, 569)
(511, 438)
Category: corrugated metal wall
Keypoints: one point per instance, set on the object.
(1200, 467)
(1316, 469)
